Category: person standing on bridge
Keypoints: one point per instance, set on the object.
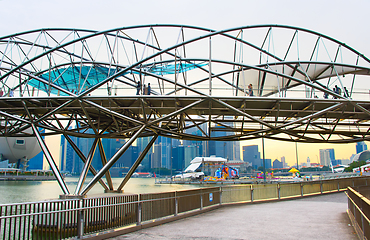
(144, 90)
(138, 88)
(250, 90)
(149, 88)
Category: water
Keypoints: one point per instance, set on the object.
(31, 191)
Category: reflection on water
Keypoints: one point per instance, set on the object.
(31, 191)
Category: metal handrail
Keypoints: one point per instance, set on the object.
(101, 215)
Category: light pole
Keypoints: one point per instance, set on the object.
(263, 156)
(296, 153)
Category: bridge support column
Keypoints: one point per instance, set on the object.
(86, 167)
(112, 161)
(137, 163)
(50, 160)
(83, 158)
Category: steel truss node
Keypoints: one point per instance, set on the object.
(306, 87)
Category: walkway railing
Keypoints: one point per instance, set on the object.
(359, 210)
(60, 219)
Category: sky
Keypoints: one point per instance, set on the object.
(342, 20)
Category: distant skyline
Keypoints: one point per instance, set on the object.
(338, 19)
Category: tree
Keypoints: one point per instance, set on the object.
(353, 165)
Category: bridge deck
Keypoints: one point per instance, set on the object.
(318, 217)
(311, 120)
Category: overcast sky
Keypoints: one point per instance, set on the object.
(342, 20)
(346, 21)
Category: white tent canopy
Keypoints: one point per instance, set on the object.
(196, 162)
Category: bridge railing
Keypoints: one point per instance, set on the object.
(60, 219)
(359, 210)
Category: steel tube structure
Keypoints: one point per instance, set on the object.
(137, 162)
(50, 160)
(300, 85)
(112, 161)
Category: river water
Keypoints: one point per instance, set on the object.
(31, 191)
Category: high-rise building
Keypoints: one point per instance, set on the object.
(37, 162)
(252, 155)
(178, 158)
(277, 164)
(156, 156)
(141, 144)
(308, 162)
(326, 156)
(360, 147)
(267, 163)
(283, 162)
(190, 152)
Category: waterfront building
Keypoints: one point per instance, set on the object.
(277, 164)
(336, 162)
(226, 149)
(37, 162)
(252, 155)
(178, 158)
(141, 144)
(346, 161)
(283, 162)
(202, 146)
(268, 163)
(156, 156)
(360, 147)
(190, 152)
(326, 156)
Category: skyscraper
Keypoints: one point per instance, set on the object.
(327, 156)
(141, 144)
(360, 147)
(252, 155)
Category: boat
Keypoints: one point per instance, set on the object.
(141, 175)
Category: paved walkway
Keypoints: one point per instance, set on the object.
(318, 217)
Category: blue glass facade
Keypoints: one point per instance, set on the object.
(360, 147)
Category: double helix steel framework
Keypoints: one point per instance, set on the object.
(186, 82)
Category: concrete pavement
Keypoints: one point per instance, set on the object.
(317, 217)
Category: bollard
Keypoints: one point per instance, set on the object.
(176, 206)
(201, 201)
(139, 207)
(80, 220)
(301, 190)
(251, 193)
(220, 195)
